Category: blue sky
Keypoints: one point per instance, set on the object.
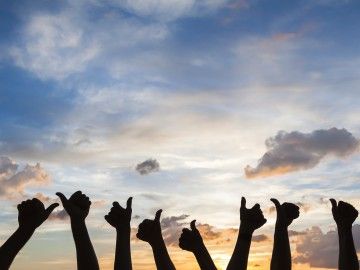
(90, 89)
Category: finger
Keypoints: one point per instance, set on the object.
(129, 203)
(333, 203)
(51, 208)
(192, 225)
(62, 197)
(243, 202)
(276, 202)
(116, 204)
(158, 215)
(256, 206)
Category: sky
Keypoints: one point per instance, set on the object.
(186, 105)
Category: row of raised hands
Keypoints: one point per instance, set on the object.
(32, 214)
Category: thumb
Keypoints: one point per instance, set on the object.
(51, 208)
(129, 203)
(62, 197)
(243, 202)
(192, 225)
(158, 215)
(333, 203)
(276, 202)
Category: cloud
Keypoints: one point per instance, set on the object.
(14, 181)
(288, 152)
(321, 250)
(59, 215)
(148, 166)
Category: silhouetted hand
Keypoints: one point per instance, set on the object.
(150, 230)
(251, 219)
(77, 206)
(286, 212)
(32, 213)
(120, 217)
(190, 240)
(344, 214)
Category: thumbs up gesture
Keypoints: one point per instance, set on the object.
(32, 213)
(150, 230)
(344, 214)
(120, 217)
(286, 212)
(252, 218)
(190, 240)
(77, 206)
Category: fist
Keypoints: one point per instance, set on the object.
(150, 230)
(32, 213)
(120, 217)
(190, 240)
(251, 219)
(286, 212)
(77, 206)
(344, 214)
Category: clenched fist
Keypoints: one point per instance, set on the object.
(150, 230)
(251, 219)
(77, 206)
(286, 212)
(120, 217)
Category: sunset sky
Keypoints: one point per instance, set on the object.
(219, 98)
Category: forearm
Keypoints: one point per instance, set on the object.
(13, 245)
(86, 257)
(347, 253)
(123, 252)
(281, 256)
(203, 258)
(161, 256)
(239, 259)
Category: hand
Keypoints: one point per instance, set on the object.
(120, 217)
(286, 212)
(251, 219)
(150, 230)
(77, 206)
(190, 240)
(344, 214)
(32, 213)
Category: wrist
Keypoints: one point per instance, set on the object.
(26, 229)
(123, 230)
(245, 230)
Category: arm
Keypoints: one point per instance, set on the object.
(150, 231)
(32, 214)
(192, 241)
(120, 218)
(344, 215)
(78, 207)
(281, 256)
(251, 219)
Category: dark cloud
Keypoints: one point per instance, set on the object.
(59, 215)
(321, 250)
(260, 238)
(148, 166)
(294, 151)
(14, 181)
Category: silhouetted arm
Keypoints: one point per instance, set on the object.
(32, 214)
(344, 215)
(120, 218)
(251, 219)
(281, 256)
(78, 207)
(192, 241)
(150, 231)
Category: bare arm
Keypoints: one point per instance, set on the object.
(251, 219)
(281, 256)
(120, 218)
(78, 207)
(192, 241)
(32, 214)
(344, 215)
(150, 231)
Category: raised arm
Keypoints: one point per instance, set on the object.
(192, 241)
(78, 207)
(150, 231)
(250, 220)
(344, 215)
(120, 218)
(281, 256)
(32, 214)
